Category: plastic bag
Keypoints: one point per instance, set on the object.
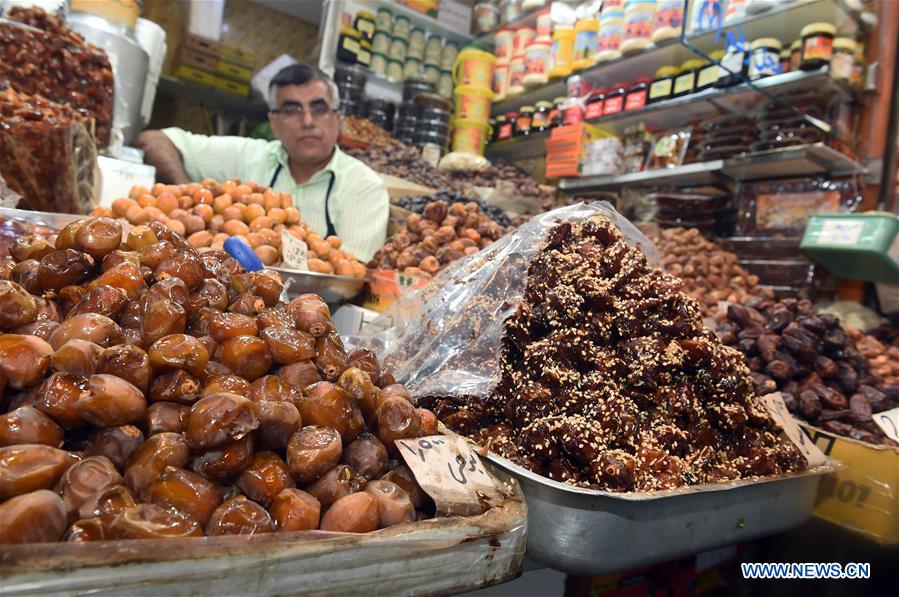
(8, 197)
(445, 338)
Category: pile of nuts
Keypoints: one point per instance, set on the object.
(883, 360)
(361, 129)
(813, 362)
(46, 153)
(58, 64)
(710, 273)
(609, 380)
(208, 213)
(149, 390)
(430, 241)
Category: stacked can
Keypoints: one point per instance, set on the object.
(473, 74)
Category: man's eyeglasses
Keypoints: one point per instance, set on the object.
(318, 111)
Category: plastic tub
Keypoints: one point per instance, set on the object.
(611, 31)
(855, 246)
(474, 68)
(469, 137)
(536, 63)
(472, 104)
(562, 50)
(502, 45)
(500, 82)
(639, 20)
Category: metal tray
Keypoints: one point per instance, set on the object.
(589, 533)
(333, 289)
(436, 556)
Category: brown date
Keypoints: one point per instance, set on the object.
(367, 361)
(330, 357)
(175, 386)
(397, 419)
(166, 416)
(84, 479)
(288, 345)
(105, 300)
(17, 306)
(224, 326)
(428, 422)
(295, 510)
(42, 328)
(66, 237)
(148, 521)
(87, 529)
(58, 396)
(111, 402)
(265, 478)
(225, 462)
(246, 356)
(186, 492)
(28, 425)
(99, 236)
(312, 451)
(92, 327)
(240, 516)
(64, 268)
(37, 517)
(125, 276)
(355, 513)
(403, 477)
(273, 389)
(358, 383)
(329, 405)
(394, 505)
(160, 318)
(211, 293)
(171, 289)
(152, 457)
(30, 246)
(311, 315)
(23, 359)
(265, 284)
(278, 421)
(226, 383)
(367, 455)
(25, 274)
(77, 357)
(130, 363)
(218, 419)
(337, 483)
(178, 351)
(301, 374)
(115, 443)
(108, 502)
(29, 467)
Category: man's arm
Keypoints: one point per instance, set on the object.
(162, 153)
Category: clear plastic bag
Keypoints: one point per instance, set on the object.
(445, 338)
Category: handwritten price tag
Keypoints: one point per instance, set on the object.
(451, 473)
(775, 405)
(888, 420)
(294, 252)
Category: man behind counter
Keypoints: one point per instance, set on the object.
(336, 193)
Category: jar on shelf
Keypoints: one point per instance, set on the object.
(540, 120)
(431, 73)
(378, 63)
(764, 57)
(795, 54)
(384, 20)
(523, 124)
(364, 55)
(637, 94)
(572, 111)
(402, 27)
(348, 45)
(611, 32)
(705, 16)
(735, 11)
(536, 63)
(500, 82)
(365, 24)
(516, 75)
(497, 126)
(544, 25)
(510, 10)
(508, 127)
(486, 17)
(394, 70)
(416, 47)
(669, 20)
(555, 114)
(445, 83)
(785, 60)
(711, 71)
(502, 45)
(817, 45)
(433, 50)
(662, 85)
(734, 63)
(529, 5)
(843, 60)
(594, 104)
(578, 86)
(858, 68)
(411, 68)
(523, 36)
(585, 43)
(449, 55)
(381, 43)
(398, 48)
(685, 82)
(614, 102)
(562, 49)
(639, 19)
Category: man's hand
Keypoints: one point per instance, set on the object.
(162, 153)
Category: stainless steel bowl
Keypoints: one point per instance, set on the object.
(586, 532)
(333, 289)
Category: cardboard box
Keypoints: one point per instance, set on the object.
(352, 319)
(386, 286)
(195, 75)
(239, 57)
(241, 89)
(400, 187)
(202, 45)
(233, 72)
(188, 56)
(863, 496)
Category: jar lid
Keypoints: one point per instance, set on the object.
(449, 43)
(511, 114)
(385, 9)
(526, 109)
(785, 53)
(844, 43)
(667, 71)
(766, 42)
(351, 32)
(501, 118)
(392, 61)
(692, 64)
(416, 28)
(402, 39)
(558, 100)
(404, 17)
(796, 45)
(410, 59)
(544, 104)
(364, 14)
(813, 28)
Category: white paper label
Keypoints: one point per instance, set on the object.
(294, 252)
(888, 420)
(841, 232)
(448, 470)
(775, 405)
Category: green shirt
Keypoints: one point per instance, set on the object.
(359, 204)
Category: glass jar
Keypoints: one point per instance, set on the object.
(398, 49)
(785, 60)
(764, 57)
(637, 94)
(685, 82)
(448, 55)
(486, 17)
(614, 102)
(402, 27)
(384, 21)
(817, 45)
(364, 55)
(555, 114)
(348, 45)
(378, 63)
(523, 124)
(843, 60)
(394, 70)
(508, 127)
(416, 43)
(540, 121)
(734, 64)
(497, 125)
(795, 54)
(710, 72)
(445, 83)
(433, 50)
(431, 74)
(572, 110)
(365, 24)
(639, 19)
(594, 104)
(381, 43)
(412, 68)
(516, 75)
(663, 84)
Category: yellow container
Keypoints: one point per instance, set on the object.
(473, 104)
(469, 137)
(474, 68)
(585, 48)
(561, 53)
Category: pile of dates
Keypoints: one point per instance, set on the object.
(418, 204)
(58, 64)
(710, 273)
(400, 160)
(609, 380)
(148, 390)
(366, 131)
(435, 238)
(811, 359)
(883, 356)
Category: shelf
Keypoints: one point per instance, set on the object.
(520, 148)
(786, 162)
(526, 20)
(213, 98)
(678, 111)
(428, 23)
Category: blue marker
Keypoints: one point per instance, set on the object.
(242, 252)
